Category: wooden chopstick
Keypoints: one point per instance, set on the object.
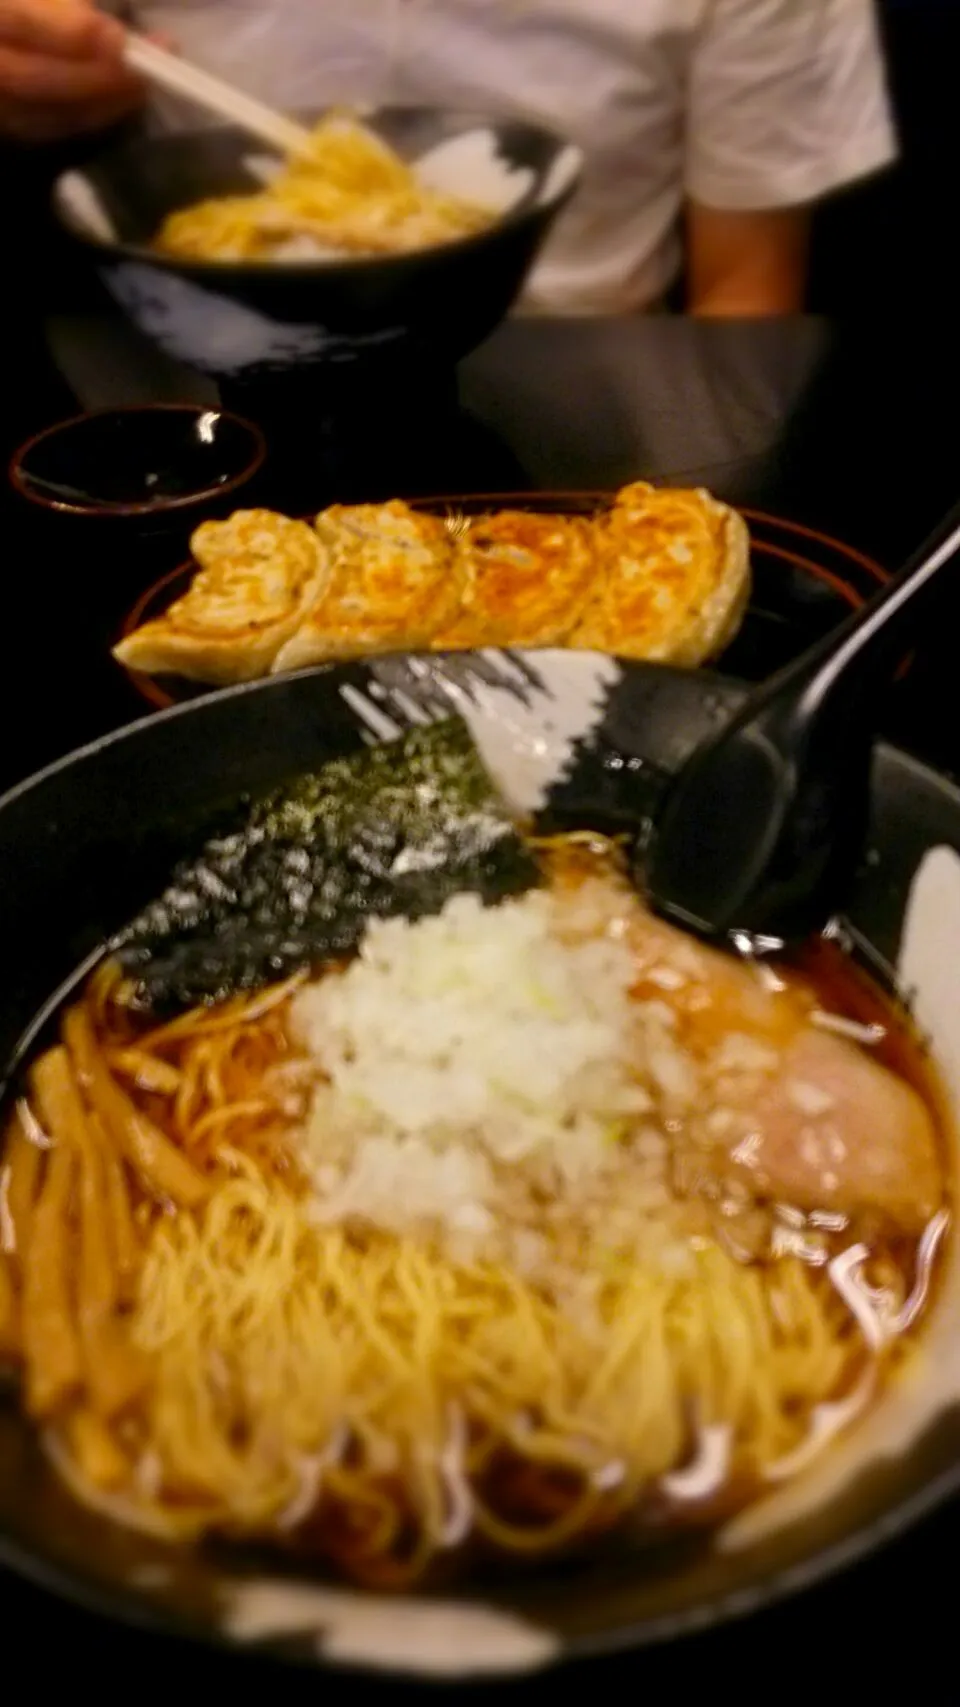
(179, 77)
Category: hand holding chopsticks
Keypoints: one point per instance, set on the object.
(62, 71)
(65, 69)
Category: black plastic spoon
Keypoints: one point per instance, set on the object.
(763, 829)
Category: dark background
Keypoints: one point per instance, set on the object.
(888, 247)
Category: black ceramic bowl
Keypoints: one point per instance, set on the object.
(253, 319)
(146, 463)
(581, 737)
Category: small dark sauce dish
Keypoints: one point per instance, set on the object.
(149, 463)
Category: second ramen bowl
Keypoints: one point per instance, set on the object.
(254, 319)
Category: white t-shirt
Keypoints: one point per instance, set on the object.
(739, 104)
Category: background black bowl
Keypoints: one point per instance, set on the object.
(570, 736)
(256, 319)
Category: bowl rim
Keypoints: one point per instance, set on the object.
(339, 266)
(21, 484)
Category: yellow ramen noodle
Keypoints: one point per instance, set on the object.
(349, 194)
(510, 1233)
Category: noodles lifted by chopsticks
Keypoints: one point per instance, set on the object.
(350, 194)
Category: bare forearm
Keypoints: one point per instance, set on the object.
(746, 265)
(746, 299)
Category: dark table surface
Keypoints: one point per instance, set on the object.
(849, 429)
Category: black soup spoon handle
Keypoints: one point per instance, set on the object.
(762, 831)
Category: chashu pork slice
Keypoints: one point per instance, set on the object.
(796, 1114)
(833, 1130)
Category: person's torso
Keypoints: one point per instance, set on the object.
(608, 73)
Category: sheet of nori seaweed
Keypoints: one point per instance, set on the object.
(394, 829)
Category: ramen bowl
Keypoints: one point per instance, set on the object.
(254, 320)
(572, 739)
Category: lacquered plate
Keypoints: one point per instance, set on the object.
(804, 582)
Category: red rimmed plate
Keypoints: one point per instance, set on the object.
(804, 582)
